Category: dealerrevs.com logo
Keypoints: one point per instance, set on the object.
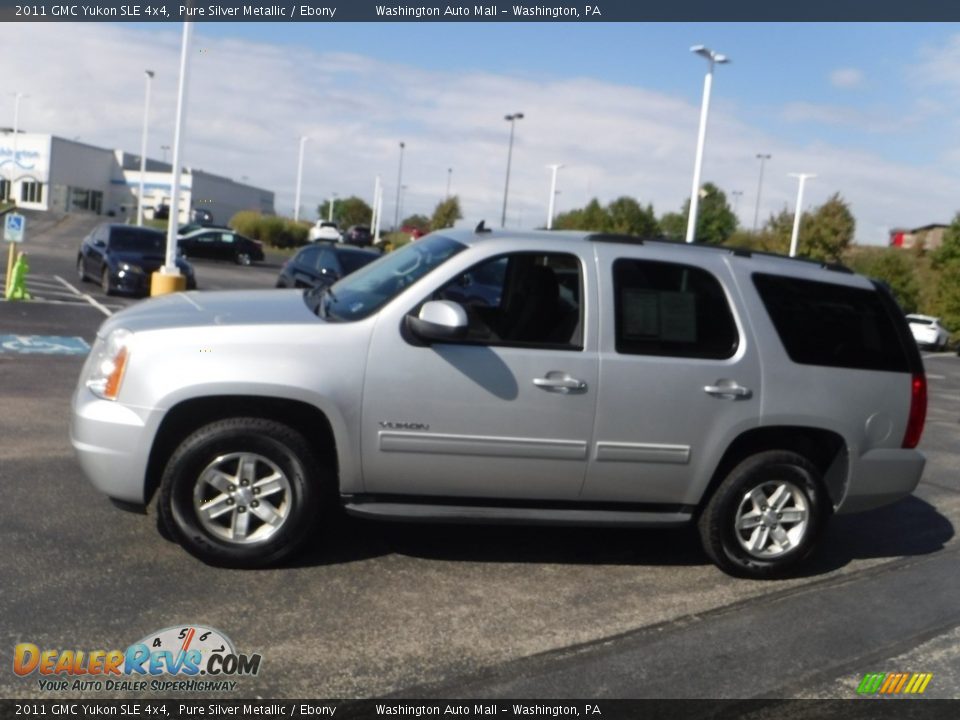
(184, 658)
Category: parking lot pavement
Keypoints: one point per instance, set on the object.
(429, 610)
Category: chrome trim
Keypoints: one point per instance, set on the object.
(439, 444)
(643, 452)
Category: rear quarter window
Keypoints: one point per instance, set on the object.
(832, 325)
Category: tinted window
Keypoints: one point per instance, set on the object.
(826, 324)
(670, 309)
(521, 299)
(308, 257)
(352, 261)
(136, 239)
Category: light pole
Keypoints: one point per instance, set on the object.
(143, 146)
(296, 202)
(737, 194)
(512, 119)
(713, 58)
(756, 213)
(396, 207)
(17, 97)
(553, 193)
(164, 148)
(799, 209)
(403, 190)
(168, 279)
(449, 175)
(333, 200)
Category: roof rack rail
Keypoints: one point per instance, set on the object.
(735, 251)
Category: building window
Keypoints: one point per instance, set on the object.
(31, 191)
(4, 189)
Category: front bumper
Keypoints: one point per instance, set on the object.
(880, 477)
(112, 444)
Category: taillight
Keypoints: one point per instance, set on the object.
(918, 410)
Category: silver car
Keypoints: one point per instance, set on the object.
(604, 381)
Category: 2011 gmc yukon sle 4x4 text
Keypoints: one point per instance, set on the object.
(597, 380)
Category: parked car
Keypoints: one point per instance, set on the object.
(221, 244)
(358, 235)
(322, 264)
(202, 216)
(122, 257)
(324, 230)
(928, 332)
(614, 382)
(161, 212)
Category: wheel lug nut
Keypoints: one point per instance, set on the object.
(256, 491)
(229, 501)
(255, 503)
(241, 509)
(244, 482)
(779, 516)
(232, 488)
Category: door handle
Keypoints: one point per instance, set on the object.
(561, 384)
(727, 391)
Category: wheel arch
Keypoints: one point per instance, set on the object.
(189, 415)
(826, 449)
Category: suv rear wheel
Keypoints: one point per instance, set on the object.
(241, 492)
(765, 516)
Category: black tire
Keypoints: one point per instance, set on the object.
(105, 282)
(81, 273)
(722, 541)
(299, 504)
(243, 258)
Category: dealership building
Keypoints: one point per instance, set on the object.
(52, 173)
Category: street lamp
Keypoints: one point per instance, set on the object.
(737, 194)
(756, 214)
(296, 202)
(143, 146)
(796, 213)
(403, 190)
(449, 175)
(713, 58)
(333, 200)
(553, 194)
(396, 210)
(512, 119)
(164, 148)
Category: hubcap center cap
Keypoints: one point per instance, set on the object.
(244, 495)
(769, 518)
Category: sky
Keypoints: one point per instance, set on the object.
(872, 109)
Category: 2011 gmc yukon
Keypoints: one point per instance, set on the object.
(591, 379)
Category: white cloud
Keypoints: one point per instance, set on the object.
(846, 78)
(249, 103)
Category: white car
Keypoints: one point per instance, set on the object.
(928, 332)
(325, 230)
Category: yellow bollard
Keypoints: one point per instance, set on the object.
(163, 284)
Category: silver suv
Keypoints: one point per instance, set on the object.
(478, 376)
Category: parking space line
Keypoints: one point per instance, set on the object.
(106, 311)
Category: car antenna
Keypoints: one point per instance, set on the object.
(481, 228)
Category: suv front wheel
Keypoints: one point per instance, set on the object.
(765, 516)
(241, 492)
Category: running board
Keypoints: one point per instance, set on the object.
(418, 512)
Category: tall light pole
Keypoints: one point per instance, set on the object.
(333, 200)
(713, 58)
(396, 207)
(756, 213)
(512, 119)
(296, 201)
(17, 97)
(798, 211)
(553, 193)
(164, 148)
(169, 276)
(143, 146)
(403, 190)
(737, 194)
(449, 175)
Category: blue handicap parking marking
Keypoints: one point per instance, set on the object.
(43, 345)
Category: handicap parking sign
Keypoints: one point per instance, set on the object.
(13, 227)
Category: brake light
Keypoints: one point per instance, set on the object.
(918, 410)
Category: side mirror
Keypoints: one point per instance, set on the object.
(439, 321)
(99, 243)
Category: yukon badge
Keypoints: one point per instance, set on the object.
(403, 426)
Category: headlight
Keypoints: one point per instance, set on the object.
(108, 364)
(131, 268)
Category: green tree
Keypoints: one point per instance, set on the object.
(346, 211)
(625, 216)
(715, 220)
(828, 231)
(446, 213)
(420, 222)
(674, 225)
(894, 267)
(949, 250)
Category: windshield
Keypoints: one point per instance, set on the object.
(137, 240)
(364, 292)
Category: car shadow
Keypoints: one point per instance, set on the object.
(911, 527)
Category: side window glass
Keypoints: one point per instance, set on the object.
(308, 258)
(672, 310)
(522, 299)
(327, 260)
(226, 237)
